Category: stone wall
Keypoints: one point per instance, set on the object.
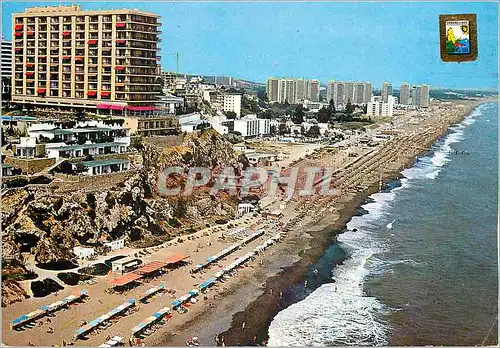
(90, 183)
(164, 141)
(30, 165)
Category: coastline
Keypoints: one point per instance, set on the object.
(251, 301)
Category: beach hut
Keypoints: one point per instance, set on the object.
(193, 292)
(150, 292)
(150, 320)
(98, 321)
(175, 304)
(207, 283)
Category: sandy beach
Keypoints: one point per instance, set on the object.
(253, 294)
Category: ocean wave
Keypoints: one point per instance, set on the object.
(428, 167)
(340, 313)
(334, 314)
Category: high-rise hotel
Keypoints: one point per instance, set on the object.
(63, 56)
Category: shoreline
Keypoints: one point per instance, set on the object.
(259, 312)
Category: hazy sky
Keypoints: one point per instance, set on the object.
(325, 40)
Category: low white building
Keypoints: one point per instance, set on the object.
(380, 109)
(26, 147)
(244, 208)
(57, 150)
(250, 126)
(106, 166)
(124, 265)
(116, 244)
(84, 253)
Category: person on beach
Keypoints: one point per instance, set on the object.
(243, 326)
(305, 284)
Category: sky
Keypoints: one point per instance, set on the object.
(368, 41)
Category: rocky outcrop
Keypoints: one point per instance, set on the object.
(132, 208)
(12, 292)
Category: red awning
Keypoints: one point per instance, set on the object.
(79, 58)
(120, 24)
(103, 106)
(175, 258)
(29, 33)
(105, 94)
(123, 280)
(18, 26)
(150, 267)
(29, 65)
(141, 108)
(18, 48)
(41, 90)
(29, 73)
(92, 93)
(66, 33)
(116, 107)
(66, 57)
(119, 67)
(120, 41)
(19, 33)
(92, 42)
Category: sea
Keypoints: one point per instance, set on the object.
(418, 264)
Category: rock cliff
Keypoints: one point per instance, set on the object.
(54, 223)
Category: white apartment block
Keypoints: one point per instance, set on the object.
(378, 108)
(404, 94)
(292, 90)
(6, 68)
(232, 102)
(356, 92)
(420, 96)
(386, 91)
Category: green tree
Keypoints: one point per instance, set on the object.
(269, 114)
(324, 115)
(331, 106)
(80, 114)
(283, 129)
(298, 115)
(231, 115)
(313, 132)
(349, 108)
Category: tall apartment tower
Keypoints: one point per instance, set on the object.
(6, 69)
(386, 91)
(272, 89)
(313, 90)
(404, 93)
(64, 56)
(336, 91)
(359, 93)
(292, 90)
(420, 96)
(368, 92)
(349, 92)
